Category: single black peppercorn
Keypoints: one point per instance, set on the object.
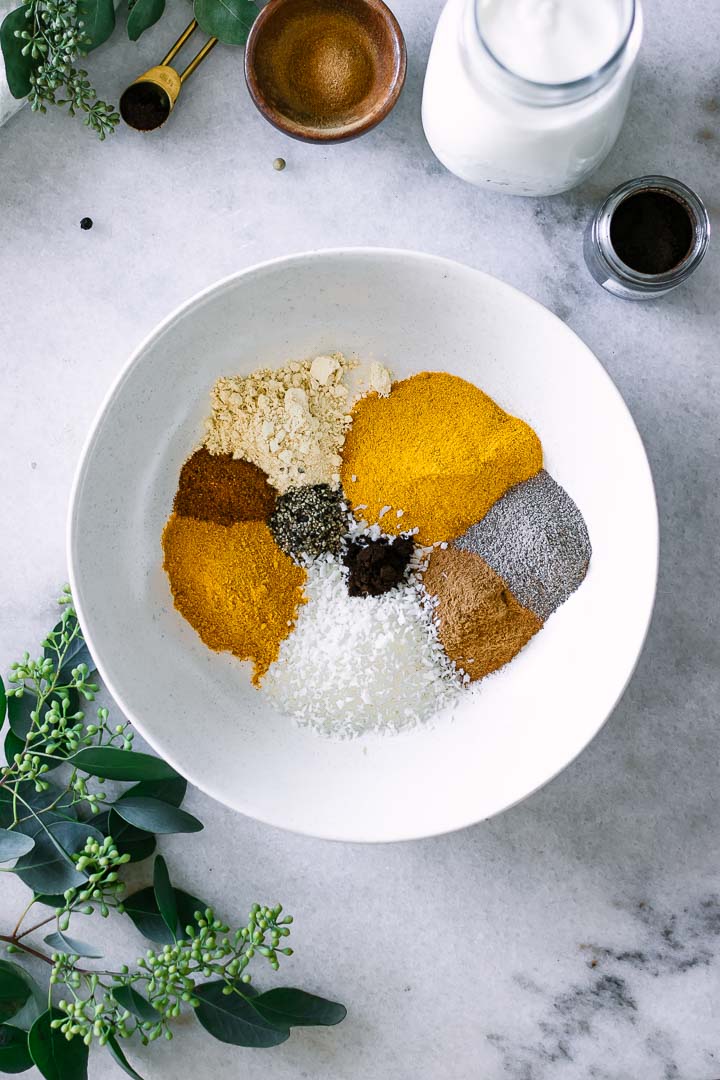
(86, 223)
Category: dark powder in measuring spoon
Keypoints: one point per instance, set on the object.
(651, 232)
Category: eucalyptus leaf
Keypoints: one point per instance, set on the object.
(288, 1007)
(13, 745)
(136, 843)
(35, 1003)
(115, 1051)
(155, 816)
(3, 701)
(77, 651)
(19, 708)
(14, 844)
(128, 998)
(98, 17)
(142, 15)
(168, 791)
(14, 1053)
(14, 990)
(143, 910)
(165, 894)
(56, 1057)
(48, 868)
(111, 763)
(18, 68)
(228, 20)
(232, 1019)
(60, 942)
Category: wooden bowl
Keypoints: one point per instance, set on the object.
(325, 70)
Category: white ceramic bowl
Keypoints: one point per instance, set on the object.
(518, 728)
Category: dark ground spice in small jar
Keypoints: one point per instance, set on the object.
(223, 489)
(651, 231)
(377, 565)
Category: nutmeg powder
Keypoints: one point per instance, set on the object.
(319, 67)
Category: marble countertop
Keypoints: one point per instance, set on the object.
(577, 935)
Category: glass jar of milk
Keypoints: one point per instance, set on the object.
(528, 96)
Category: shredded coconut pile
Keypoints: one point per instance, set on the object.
(289, 421)
(359, 664)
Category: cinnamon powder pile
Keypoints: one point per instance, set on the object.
(320, 66)
(480, 623)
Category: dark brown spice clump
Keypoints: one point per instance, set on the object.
(144, 106)
(223, 489)
(376, 566)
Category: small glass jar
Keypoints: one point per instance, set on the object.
(622, 280)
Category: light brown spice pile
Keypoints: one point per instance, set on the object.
(480, 623)
(234, 585)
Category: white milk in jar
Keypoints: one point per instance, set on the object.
(528, 96)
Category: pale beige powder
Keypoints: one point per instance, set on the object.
(290, 422)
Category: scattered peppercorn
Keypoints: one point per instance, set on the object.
(377, 566)
(309, 520)
(279, 164)
(86, 223)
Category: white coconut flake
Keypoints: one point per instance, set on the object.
(360, 664)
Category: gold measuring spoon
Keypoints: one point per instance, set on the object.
(147, 102)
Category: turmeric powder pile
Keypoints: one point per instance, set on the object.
(439, 450)
(234, 586)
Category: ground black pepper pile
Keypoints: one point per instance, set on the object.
(309, 521)
(376, 566)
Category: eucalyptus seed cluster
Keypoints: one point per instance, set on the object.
(168, 976)
(100, 862)
(54, 39)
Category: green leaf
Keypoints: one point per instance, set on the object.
(142, 15)
(228, 20)
(155, 816)
(169, 791)
(98, 18)
(35, 1003)
(14, 991)
(112, 763)
(143, 910)
(128, 998)
(14, 844)
(3, 701)
(18, 68)
(55, 1056)
(14, 1053)
(287, 1007)
(60, 942)
(13, 745)
(165, 894)
(232, 1019)
(136, 843)
(116, 1053)
(19, 708)
(48, 868)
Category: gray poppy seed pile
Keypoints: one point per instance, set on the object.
(309, 521)
(536, 540)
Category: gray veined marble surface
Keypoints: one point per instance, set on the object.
(578, 935)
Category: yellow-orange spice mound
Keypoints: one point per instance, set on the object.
(480, 623)
(234, 586)
(437, 448)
